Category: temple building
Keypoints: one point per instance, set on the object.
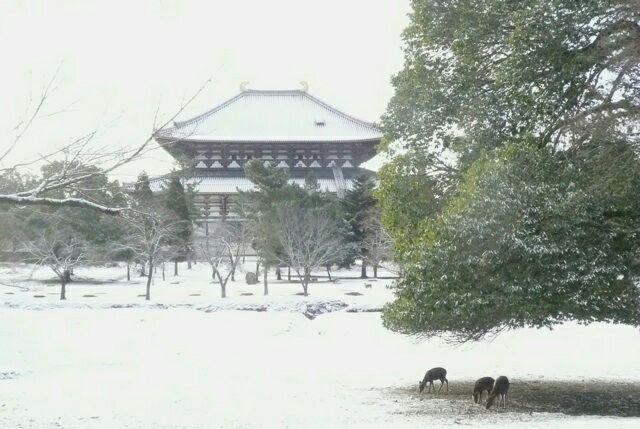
(288, 128)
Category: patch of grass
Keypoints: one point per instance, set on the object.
(88, 296)
(38, 296)
(589, 397)
(353, 293)
(194, 294)
(246, 294)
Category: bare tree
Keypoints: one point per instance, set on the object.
(221, 249)
(377, 243)
(149, 235)
(58, 251)
(240, 236)
(78, 159)
(309, 239)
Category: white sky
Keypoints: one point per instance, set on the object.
(120, 60)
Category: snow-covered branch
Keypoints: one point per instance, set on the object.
(75, 162)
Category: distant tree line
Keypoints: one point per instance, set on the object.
(300, 228)
(157, 226)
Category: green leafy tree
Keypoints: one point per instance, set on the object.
(513, 205)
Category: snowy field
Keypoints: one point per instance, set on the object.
(187, 359)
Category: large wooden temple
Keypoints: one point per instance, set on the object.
(289, 128)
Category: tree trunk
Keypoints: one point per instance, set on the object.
(128, 272)
(363, 274)
(66, 274)
(188, 261)
(264, 281)
(223, 288)
(289, 274)
(278, 273)
(143, 267)
(305, 281)
(163, 277)
(257, 267)
(63, 288)
(329, 272)
(149, 277)
(375, 271)
(175, 267)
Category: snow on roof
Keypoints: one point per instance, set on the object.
(271, 116)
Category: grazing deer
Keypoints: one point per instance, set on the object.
(482, 384)
(434, 374)
(500, 389)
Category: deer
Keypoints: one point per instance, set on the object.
(482, 384)
(500, 389)
(434, 374)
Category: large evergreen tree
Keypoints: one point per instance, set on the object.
(513, 204)
(356, 203)
(180, 207)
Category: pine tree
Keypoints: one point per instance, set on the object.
(179, 208)
(142, 188)
(356, 203)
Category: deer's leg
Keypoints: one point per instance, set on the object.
(447, 381)
(441, 384)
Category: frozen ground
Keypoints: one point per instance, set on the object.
(22, 287)
(84, 365)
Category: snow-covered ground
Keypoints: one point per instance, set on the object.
(101, 287)
(83, 364)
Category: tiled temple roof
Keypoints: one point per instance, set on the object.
(272, 116)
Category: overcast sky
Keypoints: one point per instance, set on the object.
(120, 60)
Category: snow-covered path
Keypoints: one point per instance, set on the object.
(182, 368)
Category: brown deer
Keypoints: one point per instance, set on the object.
(434, 374)
(500, 390)
(482, 384)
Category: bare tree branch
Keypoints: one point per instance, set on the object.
(79, 163)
